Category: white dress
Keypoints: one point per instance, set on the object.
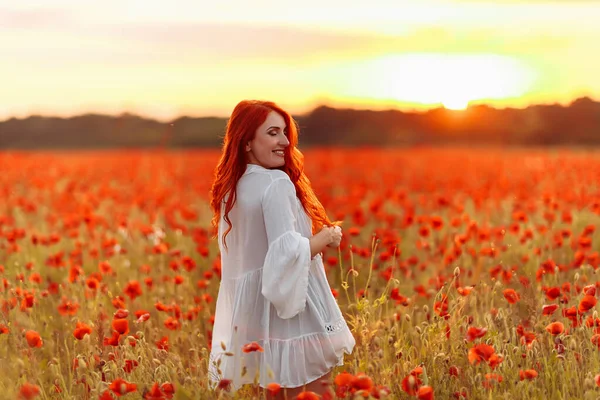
(272, 292)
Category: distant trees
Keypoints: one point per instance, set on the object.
(576, 124)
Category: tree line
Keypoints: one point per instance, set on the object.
(539, 125)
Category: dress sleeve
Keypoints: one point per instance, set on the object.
(287, 263)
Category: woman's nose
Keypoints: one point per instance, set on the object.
(285, 141)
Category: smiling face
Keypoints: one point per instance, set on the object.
(269, 143)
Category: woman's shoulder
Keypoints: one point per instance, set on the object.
(273, 174)
(278, 174)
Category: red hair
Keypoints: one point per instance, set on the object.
(241, 128)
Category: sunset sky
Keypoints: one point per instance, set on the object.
(193, 57)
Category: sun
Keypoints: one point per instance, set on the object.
(453, 80)
(455, 104)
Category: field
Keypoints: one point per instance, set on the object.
(466, 274)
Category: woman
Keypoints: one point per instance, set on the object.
(276, 320)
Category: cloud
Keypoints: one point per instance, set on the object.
(40, 18)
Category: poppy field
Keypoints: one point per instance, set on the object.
(462, 273)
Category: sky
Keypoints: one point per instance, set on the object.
(198, 58)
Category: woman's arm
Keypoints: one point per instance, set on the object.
(319, 241)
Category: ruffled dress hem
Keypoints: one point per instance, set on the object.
(292, 373)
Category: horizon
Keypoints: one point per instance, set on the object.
(295, 115)
(160, 62)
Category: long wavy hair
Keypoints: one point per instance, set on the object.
(241, 128)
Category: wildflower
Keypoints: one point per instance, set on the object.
(33, 339)
(555, 328)
(81, 330)
(113, 340)
(527, 374)
(511, 296)
(549, 309)
(491, 380)
(120, 387)
(588, 302)
(480, 352)
(464, 291)
(154, 393)
(307, 395)
(411, 384)
(168, 389)
(475, 333)
(121, 325)
(133, 289)
(121, 313)
(66, 307)
(224, 384)
(143, 318)
(425, 393)
(28, 391)
(362, 382)
(163, 343)
(552, 293)
(130, 365)
(250, 347)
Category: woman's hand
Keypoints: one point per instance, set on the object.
(336, 236)
(330, 236)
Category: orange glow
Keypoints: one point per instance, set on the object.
(196, 59)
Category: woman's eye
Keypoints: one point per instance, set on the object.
(272, 134)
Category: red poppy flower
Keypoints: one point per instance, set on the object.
(33, 339)
(143, 318)
(121, 313)
(491, 380)
(163, 343)
(425, 393)
(133, 289)
(588, 302)
(454, 371)
(130, 365)
(113, 340)
(168, 389)
(273, 388)
(589, 290)
(480, 352)
(362, 382)
(120, 387)
(81, 330)
(549, 309)
(308, 395)
(343, 379)
(154, 393)
(106, 395)
(121, 326)
(511, 296)
(251, 347)
(224, 384)
(475, 333)
(527, 374)
(66, 307)
(28, 391)
(555, 328)
(595, 339)
(464, 291)
(172, 323)
(411, 384)
(552, 293)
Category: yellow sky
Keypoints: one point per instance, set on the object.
(167, 59)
